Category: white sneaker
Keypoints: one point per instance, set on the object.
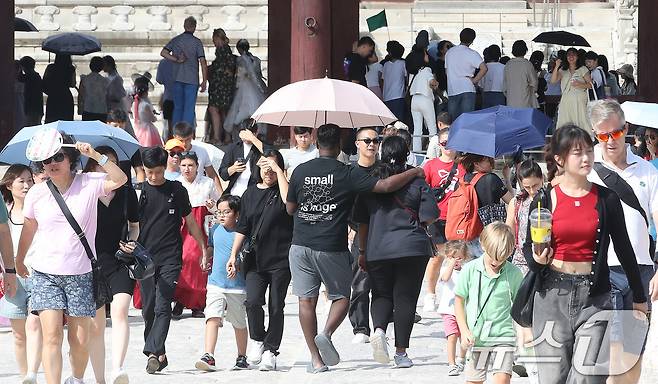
(73, 380)
(429, 303)
(30, 378)
(267, 362)
(360, 338)
(120, 377)
(379, 348)
(255, 352)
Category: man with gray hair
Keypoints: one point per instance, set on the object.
(186, 52)
(635, 180)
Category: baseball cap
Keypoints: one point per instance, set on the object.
(174, 143)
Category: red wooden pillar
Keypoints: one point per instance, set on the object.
(7, 76)
(310, 40)
(647, 53)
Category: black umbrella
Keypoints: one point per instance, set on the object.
(22, 25)
(71, 44)
(561, 38)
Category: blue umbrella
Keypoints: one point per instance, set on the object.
(95, 133)
(498, 131)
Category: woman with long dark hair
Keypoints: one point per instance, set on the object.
(394, 249)
(25, 326)
(118, 220)
(221, 85)
(263, 213)
(576, 262)
(58, 79)
(575, 80)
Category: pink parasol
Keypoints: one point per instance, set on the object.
(312, 103)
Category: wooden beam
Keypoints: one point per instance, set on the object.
(647, 52)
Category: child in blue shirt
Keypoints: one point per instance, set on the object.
(225, 297)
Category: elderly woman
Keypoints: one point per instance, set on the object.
(263, 205)
(62, 277)
(191, 288)
(118, 219)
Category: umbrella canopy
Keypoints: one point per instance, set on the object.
(216, 154)
(71, 44)
(561, 38)
(498, 131)
(22, 25)
(644, 114)
(312, 103)
(92, 132)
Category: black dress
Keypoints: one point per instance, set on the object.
(56, 84)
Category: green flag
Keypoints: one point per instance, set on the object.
(377, 21)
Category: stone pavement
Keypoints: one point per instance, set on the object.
(185, 345)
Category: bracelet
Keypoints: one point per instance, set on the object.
(102, 160)
(10, 270)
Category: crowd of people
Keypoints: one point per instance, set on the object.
(364, 235)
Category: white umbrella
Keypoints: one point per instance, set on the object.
(312, 103)
(644, 114)
(216, 154)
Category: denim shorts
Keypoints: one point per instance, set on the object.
(73, 294)
(625, 328)
(15, 308)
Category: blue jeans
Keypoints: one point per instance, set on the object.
(492, 99)
(184, 102)
(458, 104)
(397, 106)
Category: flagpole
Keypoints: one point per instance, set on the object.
(389, 33)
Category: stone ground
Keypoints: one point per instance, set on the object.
(185, 345)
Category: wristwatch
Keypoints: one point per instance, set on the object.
(10, 270)
(102, 160)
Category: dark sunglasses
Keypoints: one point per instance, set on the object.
(614, 135)
(369, 141)
(57, 158)
(188, 155)
(174, 153)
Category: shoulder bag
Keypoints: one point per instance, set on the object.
(102, 292)
(248, 250)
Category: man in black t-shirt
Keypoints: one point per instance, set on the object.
(162, 206)
(356, 62)
(367, 143)
(320, 197)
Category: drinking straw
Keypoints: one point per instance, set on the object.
(539, 214)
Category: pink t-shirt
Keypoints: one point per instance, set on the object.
(61, 252)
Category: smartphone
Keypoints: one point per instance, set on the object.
(241, 160)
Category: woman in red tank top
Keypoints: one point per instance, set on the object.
(573, 272)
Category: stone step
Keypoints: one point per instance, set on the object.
(471, 4)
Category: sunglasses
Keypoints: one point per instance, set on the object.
(188, 155)
(57, 158)
(614, 135)
(368, 141)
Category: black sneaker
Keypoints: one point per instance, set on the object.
(241, 363)
(177, 311)
(206, 363)
(163, 364)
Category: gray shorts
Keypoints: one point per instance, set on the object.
(309, 268)
(73, 294)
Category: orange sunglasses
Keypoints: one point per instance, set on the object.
(614, 135)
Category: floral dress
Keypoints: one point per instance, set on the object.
(222, 79)
(522, 213)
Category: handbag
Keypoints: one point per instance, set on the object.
(249, 247)
(431, 251)
(102, 292)
(524, 302)
(492, 212)
(139, 263)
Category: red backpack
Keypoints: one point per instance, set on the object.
(462, 221)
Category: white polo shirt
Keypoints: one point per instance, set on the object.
(643, 178)
(461, 63)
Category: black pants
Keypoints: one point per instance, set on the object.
(396, 285)
(157, 296)
(257, 283)
(360, 299)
